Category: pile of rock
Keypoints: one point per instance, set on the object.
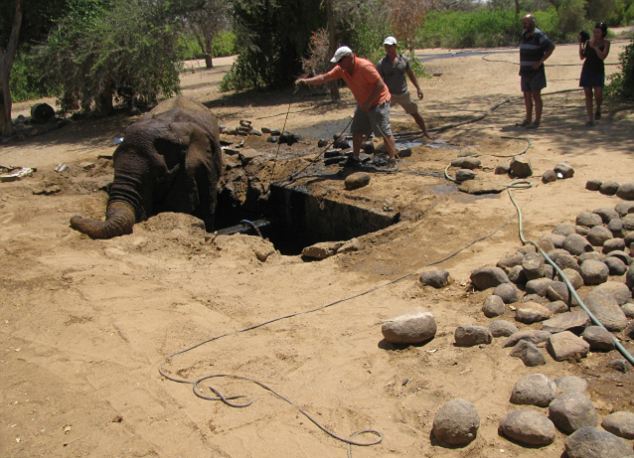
(594, 254)
(244, 129)
(560, 172)
(569, 410)
(625, 191)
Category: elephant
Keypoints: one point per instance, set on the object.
(169, 160)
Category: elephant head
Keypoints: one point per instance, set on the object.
(168, 161)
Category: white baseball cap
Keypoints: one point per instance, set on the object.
(340, 53)
(390, 41)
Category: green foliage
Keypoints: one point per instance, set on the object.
(24, 81)
(273, 35)
(622, 83)
(572, 17)
(224, 44)
(103, 48)
(462, 29)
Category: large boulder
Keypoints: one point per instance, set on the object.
(356, 180)
(619, 291)
(606, 309)
(571, 384)
(594, 272)
(598, 338)
(493, 306)
(413, 328)
(576, 244)
(588, 219)
(626, 191)
(435, 278)
(620, 424)
(532, 312)
(567, 321)
(502, 328)
(520, 167)
(456, 423)
(598, 235)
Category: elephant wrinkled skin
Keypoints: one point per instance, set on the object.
(170, 160)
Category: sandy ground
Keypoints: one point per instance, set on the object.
(84, 325)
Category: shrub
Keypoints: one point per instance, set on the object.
(224, 44)
(622, 83)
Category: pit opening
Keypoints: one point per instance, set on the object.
(293, 218)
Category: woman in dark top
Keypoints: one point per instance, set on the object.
(594, 51)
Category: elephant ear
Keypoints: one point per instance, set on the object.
(172, 143)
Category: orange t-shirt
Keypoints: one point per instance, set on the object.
(362, 81)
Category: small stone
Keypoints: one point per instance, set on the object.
(628, 222)
(617, 290)
(574, 278)
(590, 442)
(535, 298)
(558, 291)
(502, 328)
(564, 229)
(626, 191)
(576, 244)
(623, 208)
(629, 278)
(571, 384)
(615, 266)
(546, 243)
(527, 427)
(528, 353)
(616, 227)
(517, 276)
(563, 259)
(627, 260)
(598, 235)
(532, 312)
(621, 365)
(582, 230)
(549, 271)
(354, 244)
(609, 188)
(470, 335)
(510, 260)
(488, 277)
(321, 250)
(456, 423)
(502, 170)
(435, 278)
(414, 328)
(572, 411)
(262, 254)
(533, 389)
(549, 176)
(593, 185)
(464, 175)
(567, 346)
(606, 214)
(628, 309)
(565, 170)
(533, 265)
(594, 272)
(507, 292)
(598, 338)
(557, 239)
(606, 309)
(594, 255)
(520, 167)
(566, 322)
(538, 286)
(467, 162)
(531, 335)
(588, 219)
(493, 306)
(620, 424)
(557, 307)
(356, 180)
(613, 244)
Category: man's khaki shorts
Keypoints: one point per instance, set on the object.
(406, 102)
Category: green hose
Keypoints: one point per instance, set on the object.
(565, 279)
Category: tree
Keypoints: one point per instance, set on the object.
(22, 22)
(205, 22)
(107, 49)
(406, 16)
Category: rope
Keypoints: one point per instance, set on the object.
(253, 225)
(564, 278)
(484, 58)
(228, 400)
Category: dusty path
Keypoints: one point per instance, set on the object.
(84, 324)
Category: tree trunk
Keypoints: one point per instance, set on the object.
(6, 63)
(209, 51)
(517, 7)
(332, 46)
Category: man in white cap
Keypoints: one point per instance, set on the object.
(372, 96)
(393, 68)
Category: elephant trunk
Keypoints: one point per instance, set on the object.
(120, 217)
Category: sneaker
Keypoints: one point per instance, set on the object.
(525, 123)
(533, 125)
(352, 162)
